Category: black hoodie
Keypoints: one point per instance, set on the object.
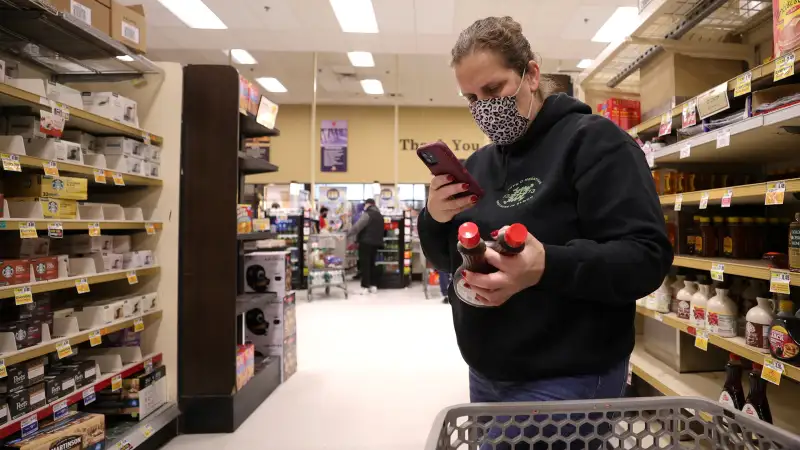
(582, 187)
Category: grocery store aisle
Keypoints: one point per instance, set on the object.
(373, 373)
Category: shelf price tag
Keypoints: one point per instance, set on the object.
(132, 278)
(116, 383)
(118, 180)
(779, 281)
(100, 176)
(50, 168)
(651, 160)
(94, 229)
(658, 316)
(689, 114)
(29, 425)
(666, 124)
(701, 340)
(743, 82)
(150, 227)
(634, 132)
(95, 338)
(82, 285)
(704, 200)
(713, 101)
(60, 409)
(717, 271)
(27, 230)
(772, 371)
(3, 371)
(678, 202)
(148, 365)
(146, 137)
(138, 325)
(123, 445)
(88, 395)
(775, 193)
(23, 296)
(147, 431)
(63, 349)
(726, 198)
(55, 230)
(686, 151)
(723, 137)
(10, 162)
(784, 67)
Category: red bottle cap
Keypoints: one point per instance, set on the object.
(468, 235)
(756, 367)
(735, 357)
(515, 235)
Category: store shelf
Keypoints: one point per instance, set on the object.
(136, 433)
(783, 399)
(102, 382)
(255, 236)
(44, 348)
(249, 128)
(71, 169)
(751, 268)
(742, 195)
(78, 118)
(72, 224)
(249, 166)
(69, 282)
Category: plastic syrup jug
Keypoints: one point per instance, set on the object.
(784, 334)
(759, 318)
(699, 303)
(721, 314)
(662, 298)
(685, 299)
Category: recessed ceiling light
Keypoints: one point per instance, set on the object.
(355, 16)
(361, 59)
(126, 58)
(240, 56)
(372, 87)
(271, 84)
(194, 13)
(584, 63)
(620, 25)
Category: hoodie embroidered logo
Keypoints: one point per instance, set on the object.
(520, 193)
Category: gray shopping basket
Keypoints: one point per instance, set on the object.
(637, 423)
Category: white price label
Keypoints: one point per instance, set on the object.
(723, 137)
(88, 395)
(779, 281)
(726, 198)
(55, 230)
(784, 67)
(686, 151)
(29, 425)
(678, 202)
(704, 200)
(743, 83)
(60, 409)
(717, 271)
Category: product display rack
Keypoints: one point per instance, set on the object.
(394, 259)
(294, 226)
(211, 268)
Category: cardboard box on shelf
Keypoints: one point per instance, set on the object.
(37, 185)
(126, 164)
(25, 126)
(76, 431)
(63, 94)
(90, 12)
(287, 352)
(86, 141)
(52, 208)
(45, 268)
(112, 261)
(128, 25)
(14, 271)
(83, 243)
(152, 169)
(268, 272)
(111, 106)
(119, 145)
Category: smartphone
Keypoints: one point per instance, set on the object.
(441, 161)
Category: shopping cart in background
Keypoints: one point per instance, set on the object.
(329, 262)
(638, 423)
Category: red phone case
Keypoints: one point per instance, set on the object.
(448, 164)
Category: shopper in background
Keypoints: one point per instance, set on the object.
(369, 231)
(323, 218)
(444, 283)
(559, 322)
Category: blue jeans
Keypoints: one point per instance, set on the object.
(444, 281)
(610, 384)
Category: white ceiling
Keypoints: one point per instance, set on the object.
(411, 50)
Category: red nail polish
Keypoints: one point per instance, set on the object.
(464, 273)
(494, 233)
(466, 285)
(450, 178)
(474, 199)
(465, 186)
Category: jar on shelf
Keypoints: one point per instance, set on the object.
(749, 226)
(760, 233)
(706, 242)
(692, 233)
(670, 182)
(682, 182)
(720, 230)
(670, 231)
(734, 243)
(657, 180)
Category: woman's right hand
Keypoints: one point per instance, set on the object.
(441, 204)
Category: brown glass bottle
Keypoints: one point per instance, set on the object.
(756, 404)
(794, 244)
(670, 231)
(720, 230)
(749, 226)
(734, 242)
(706, 242)
(692, 233)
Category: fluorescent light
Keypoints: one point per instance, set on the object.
(126, 58)
(584, 63)
(355, 16)
(271, 84)
(372, 87)
(620, 25)
(361, 59)
(241, 56)
(194, 13)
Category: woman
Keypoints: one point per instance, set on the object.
(559, 325)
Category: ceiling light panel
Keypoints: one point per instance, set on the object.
(372, 87)
(126, 58)
(194, 13)
(620, 25)
(361, 59)
(240, 56)
(271, 84)
(355, 16)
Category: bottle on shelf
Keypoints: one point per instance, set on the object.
(663, 297)
(755, 288)
(732, 394)
(692, 233)
(733, 244)
(676, 287)
(784, 334)
(670, 226)
(699, 304)
(721, 313)
(750, 238)
(756, 404)
(685, 298)
(706, 241)
(759, 319)
(794, 244)
(720, 230)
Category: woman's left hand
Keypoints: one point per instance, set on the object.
(514, 273)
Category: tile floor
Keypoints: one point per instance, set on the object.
(373, 373)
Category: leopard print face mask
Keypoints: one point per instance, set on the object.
(499, 118)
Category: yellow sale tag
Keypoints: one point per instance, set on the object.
(99, 176)
(146, 137)
(95, 338)
(118, 180)
(743, 82)
(116, 383)
(23, 295)
(63, 349)
(784, 67)
(94, 229)
(779, 281)
(50, 168)
(82, 285)
(701, 340)
(10, 162)
(27, 230)
(147, 430)
(772, 371)
(717, 271)
(775, 193)
(150, 227)
(138, 325)
(3, 372)
(132, 278)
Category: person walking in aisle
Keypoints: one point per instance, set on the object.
(559, 322)
(444, 283)
(369, 231)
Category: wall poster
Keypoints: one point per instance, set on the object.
(333, 143)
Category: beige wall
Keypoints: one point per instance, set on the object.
(371, 152)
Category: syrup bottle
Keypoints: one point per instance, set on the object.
(510, 241)
(732, 392)
(756, 404)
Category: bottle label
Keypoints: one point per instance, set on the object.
(781, 343)
(699, 315)
(466, 294)
(727, 245)
(750, 410)
(722, 324)
(698, 244)
(726, 399)
(757, 335)
(684, 308)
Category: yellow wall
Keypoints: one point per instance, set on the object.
(370, 154)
